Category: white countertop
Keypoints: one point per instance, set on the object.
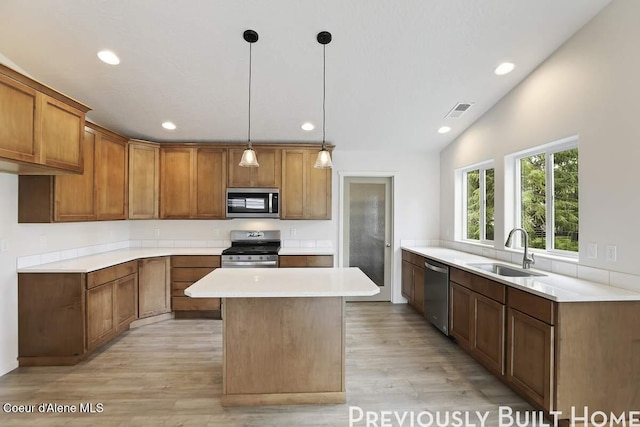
(283, 282)
(89, 263)
(551, 286)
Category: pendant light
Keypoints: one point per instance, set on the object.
(323, 161)
(249, 158)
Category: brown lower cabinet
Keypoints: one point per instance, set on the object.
(185, 270)
(154, 292)
(413, 280)
(476, 320)
(62, 317)
(555, 355)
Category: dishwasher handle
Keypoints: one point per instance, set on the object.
(435, 268)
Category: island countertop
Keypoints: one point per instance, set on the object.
(283, 282)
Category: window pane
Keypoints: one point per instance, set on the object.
(565, 191)
(489, 190)
(532, 184)
(473, 205)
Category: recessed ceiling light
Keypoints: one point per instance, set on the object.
(169, 125)
(108, 57)
(444, 129)
(307, 126)
(504, 68)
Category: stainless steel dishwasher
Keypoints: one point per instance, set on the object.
(436, 295)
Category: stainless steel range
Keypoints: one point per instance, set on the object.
(252, 249)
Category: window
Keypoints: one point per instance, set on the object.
(478, 203)
(547, 191)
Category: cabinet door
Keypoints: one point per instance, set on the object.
(317, 189)
(239, 176)
(418, 288)
(407, 280)
(17, 121)
(488, 333)
(210, 183)
(175, 182)
(530, 355)
(269, 173)
(75, 194)
(154, 293)
(127, 297)
(61, 134)
(293, 184)
(101, 314)
(461, 315)
(144, 180)
(111, 177)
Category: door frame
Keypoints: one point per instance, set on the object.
(341, 249)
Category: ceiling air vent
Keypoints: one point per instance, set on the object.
(457, 111)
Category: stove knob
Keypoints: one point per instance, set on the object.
(249, 257)
(261, 257)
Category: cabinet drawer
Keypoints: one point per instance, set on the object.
(99, 277)
(535, 306)
(414, 259)
(189, 304)
(292, 261)
(320, 261)
(177, 288)
(212, 261)
(189, 274)
(481, 285)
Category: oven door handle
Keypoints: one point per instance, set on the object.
(248, 263)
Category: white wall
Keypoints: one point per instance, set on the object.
(588, 87)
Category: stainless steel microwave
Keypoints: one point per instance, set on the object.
(253, 203)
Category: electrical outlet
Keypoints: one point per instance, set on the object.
(156, 232)
(4, 245)
(293, 232)
(43, 241)
(612, 254)
(592, 250)
(112, 235)
(216, 232)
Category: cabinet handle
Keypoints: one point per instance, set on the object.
(437, 269)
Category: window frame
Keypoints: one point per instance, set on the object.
(548, 150)
(481, 168)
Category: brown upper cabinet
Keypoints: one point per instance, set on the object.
(41, 130)
(306, 191)
(144, 179)
(192, 182)
(100, 193)
(267, 175)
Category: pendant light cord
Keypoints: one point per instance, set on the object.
(324, 91)
(249, 130)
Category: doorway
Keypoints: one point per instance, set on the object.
(367, 230)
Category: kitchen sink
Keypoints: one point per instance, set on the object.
(504, 270)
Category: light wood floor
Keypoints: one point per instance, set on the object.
(170, 374)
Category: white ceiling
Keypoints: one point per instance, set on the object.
(394, 68)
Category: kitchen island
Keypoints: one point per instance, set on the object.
(283, 332)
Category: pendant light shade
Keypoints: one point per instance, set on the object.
(249, 158)
(323, 161)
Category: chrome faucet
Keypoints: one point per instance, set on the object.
(526, 260)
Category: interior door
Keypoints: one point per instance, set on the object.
(367, 230)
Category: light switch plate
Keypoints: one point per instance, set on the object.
(156, 232)
(612, 254)
(4, 245)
